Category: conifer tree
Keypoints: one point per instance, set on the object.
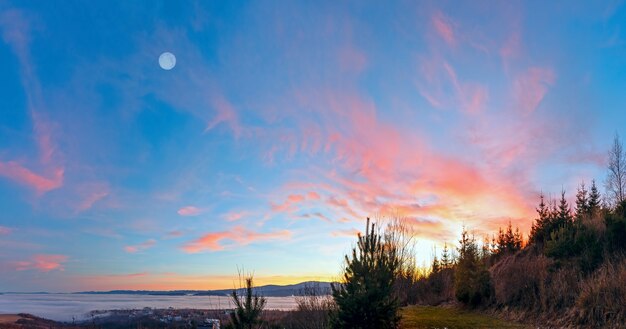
(510, 238)
(436, 266)
(446, 259)
(501, 241)
(365, 297)
(248, 308)
(594, 199)
(517, 241)
(582, 202)
(472, 283)
(541, 222)
(564, 213)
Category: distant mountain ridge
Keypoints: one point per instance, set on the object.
(267, 290)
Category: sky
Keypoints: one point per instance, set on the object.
(283, 125)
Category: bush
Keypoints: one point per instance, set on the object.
(314, 305)
(560, 289)
(519, 280)
(603, 296)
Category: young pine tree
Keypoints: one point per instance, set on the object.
(537, 231)
(472, 282)
(594, 199)
(582, 202)
(446, 259)
(564, 213)
(365, 297)
(248, 308)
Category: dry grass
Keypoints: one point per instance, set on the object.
(520, 280)
(602, 299)
(430, 317)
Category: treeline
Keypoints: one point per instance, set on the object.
(570, 272)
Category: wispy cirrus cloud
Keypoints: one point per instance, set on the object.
(16, 27)
(531, 86)
(444, 27)
(25, 176)
(237, 236)
(189, 211)
(140, 247)
(226, 114)
(5, 230)
(42, 263)
(349, 233)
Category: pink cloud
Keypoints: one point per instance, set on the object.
(442, 88)
(239, 235)
(174, 234)
(351, 59)
(443, 27)
(22, 175)
(313, 195)
(5, 230)
(294, 198)
(189, 211)
(42, 263)
(530, 88)
(237, 215)
(225, 114)
(351, 233)
(292, 201)
(92, 194)
(15, 27)
(511, 48)
(379, 169)
(474, 98)
(140, 247)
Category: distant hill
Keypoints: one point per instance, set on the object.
(268, 290)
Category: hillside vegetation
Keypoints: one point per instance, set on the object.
(570, 271)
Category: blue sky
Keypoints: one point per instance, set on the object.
(282, 126)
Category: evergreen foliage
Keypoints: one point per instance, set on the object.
(248, 308)
(446, 258)
(472, 282)
(509, 241)
(365, 296)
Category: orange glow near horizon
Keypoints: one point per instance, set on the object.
(171, 281)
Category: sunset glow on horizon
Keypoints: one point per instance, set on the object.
(163, 145)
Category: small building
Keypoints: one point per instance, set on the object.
(212, 323)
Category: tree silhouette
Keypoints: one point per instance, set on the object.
(616, 179)
(446, 259)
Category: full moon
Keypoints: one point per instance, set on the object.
(167, 61)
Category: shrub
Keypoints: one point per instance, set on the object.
(603, 296)
(314, 305)
(560, 289)
(519, 279)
